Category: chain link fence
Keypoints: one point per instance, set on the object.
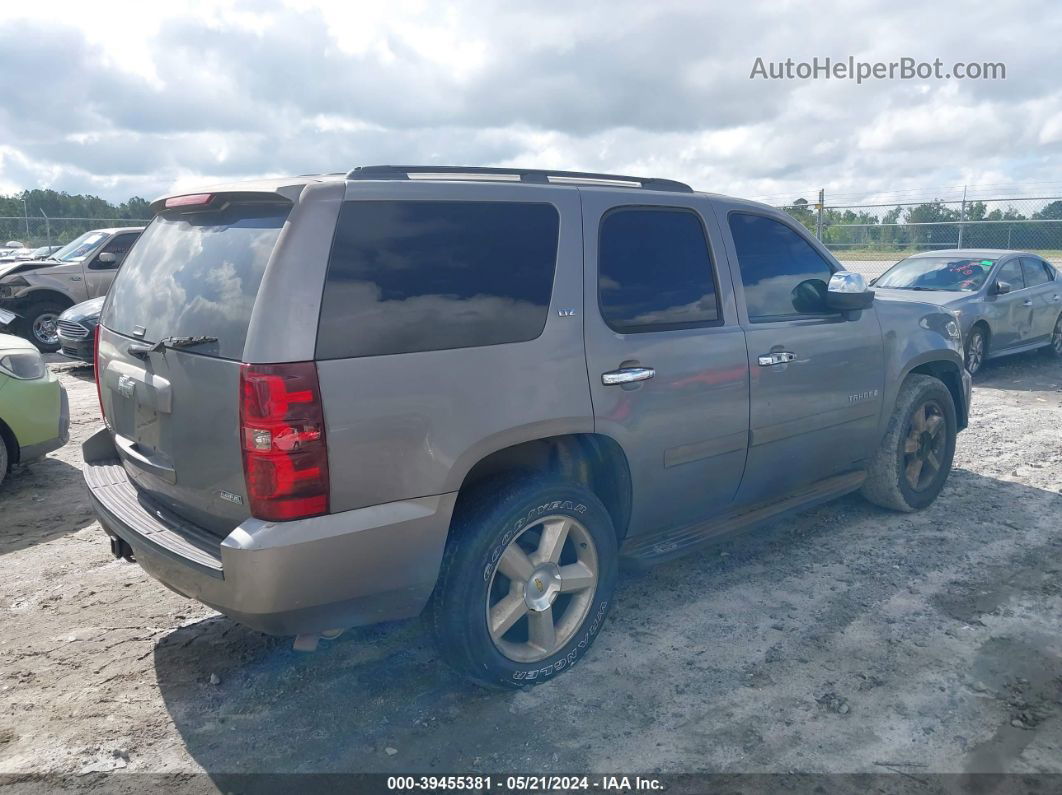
(34, 232)
(868, 238)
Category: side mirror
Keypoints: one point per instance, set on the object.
(848, 292)
(1000, 288)
(873, 281)
(107, 258)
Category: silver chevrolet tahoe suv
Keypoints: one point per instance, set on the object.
(337, 400)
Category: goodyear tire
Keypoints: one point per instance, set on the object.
(914, 459)
(526, 581)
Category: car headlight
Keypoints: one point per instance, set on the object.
(952, 330)
(23, 365)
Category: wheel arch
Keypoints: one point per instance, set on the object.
(950, 373)
(43, 294)
(7, 436)
(593, 460)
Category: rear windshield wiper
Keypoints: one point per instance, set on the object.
(142, 351)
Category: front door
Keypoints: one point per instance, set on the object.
(100, 273)
(816, 376)
(665, 354)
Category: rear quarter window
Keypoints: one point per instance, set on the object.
(408, 276)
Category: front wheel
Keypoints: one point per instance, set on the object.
(912, 464)
(5, 459)
(40, 325)
(975, 350)
(526, 581)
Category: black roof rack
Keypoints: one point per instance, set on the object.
(539, 176)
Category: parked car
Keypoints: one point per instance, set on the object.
(1007, 301)
(39, 291)
(334, 401)
(76, 328)
(34, 414)
(9, 246)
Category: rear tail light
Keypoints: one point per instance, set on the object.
(190, 200)
(285, 458)
(96, 368)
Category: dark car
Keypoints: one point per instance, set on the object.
(1006, 301)
(76, 329)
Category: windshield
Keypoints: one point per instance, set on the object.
(79, 248)
(196, 274)
(937, 273)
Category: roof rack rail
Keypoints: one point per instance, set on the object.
(538, 176)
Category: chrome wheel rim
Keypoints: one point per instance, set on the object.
(542, 589)
(923, 447)
(44, 328)
(975, 353)
(1056, 337)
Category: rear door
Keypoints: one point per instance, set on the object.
(1013, 311)
(174, 412)
(816, 378)
(666, 356)
(1043, 294)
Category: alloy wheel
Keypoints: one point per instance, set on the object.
(975, 353)
(1056, 336)
(543, 589)
(924, 446)
(44, 328)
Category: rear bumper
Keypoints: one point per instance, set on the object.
(285, 578)
(30, 452)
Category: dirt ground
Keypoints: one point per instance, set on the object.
(848, 639)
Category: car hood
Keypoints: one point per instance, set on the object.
(86, 310)
(10, 268)
(938, 297)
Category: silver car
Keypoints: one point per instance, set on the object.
(1006, 301)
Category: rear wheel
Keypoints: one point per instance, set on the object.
(914, 459)
(40, 325)
(526, 581)
(976, 348)
(1055, 347)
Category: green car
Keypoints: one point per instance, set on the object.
(34, 413)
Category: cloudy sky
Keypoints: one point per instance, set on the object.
(123, 99)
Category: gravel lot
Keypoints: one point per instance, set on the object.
(847, 639)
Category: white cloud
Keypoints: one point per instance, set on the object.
(126, 97)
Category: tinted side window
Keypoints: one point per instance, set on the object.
(1010, 273)
(1034, 272)
(782, 274)
(121, 244)
(654, 270)
(409, 276)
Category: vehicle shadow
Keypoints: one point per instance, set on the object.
(41, 501)
(666, 669)
(1033, 371)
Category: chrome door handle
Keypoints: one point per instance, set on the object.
(771, 359)
(1027, 302)
(627, 375)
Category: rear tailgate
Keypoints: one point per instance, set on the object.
(173, 408)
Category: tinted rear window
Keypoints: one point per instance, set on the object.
(196, 274)
(410, 276)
